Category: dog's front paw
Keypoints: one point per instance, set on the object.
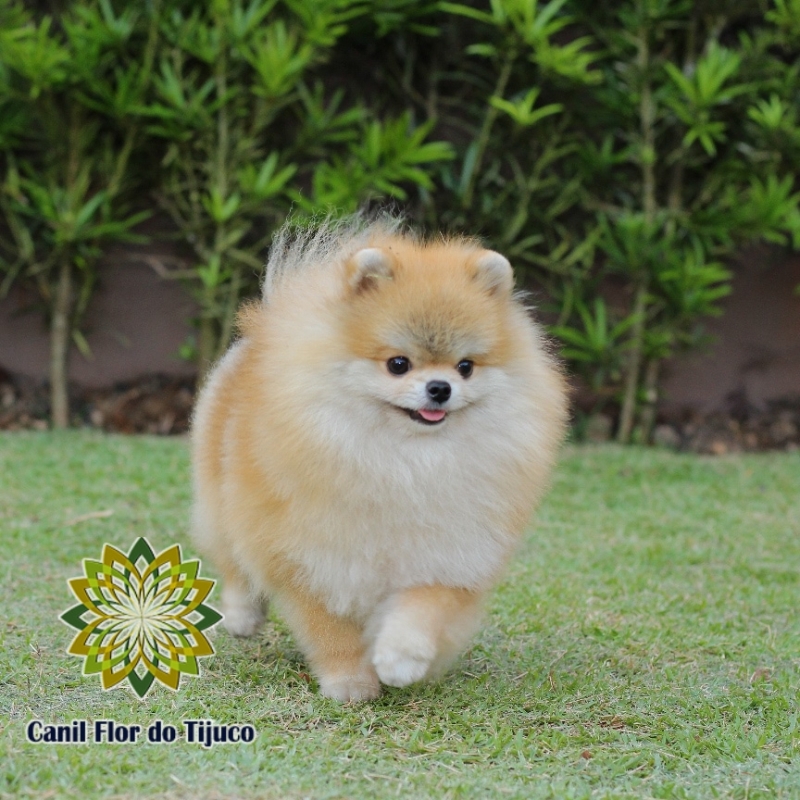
(402, 655)
(242, 613)
(350, 688)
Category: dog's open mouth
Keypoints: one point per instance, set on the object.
(427, 416)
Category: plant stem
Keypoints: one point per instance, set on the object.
(634, 365)
(648, 413)
(675, 196)
(61, 320)
(209, 344)
(482, 142)
(121, 163)
(132, 128)
(59, 346)
(206, 345)
(648, 156)
(222, 119)
(675, 205)
(226, 329)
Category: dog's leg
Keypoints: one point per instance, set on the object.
(334, 647)
(242, 609)
(420, 631)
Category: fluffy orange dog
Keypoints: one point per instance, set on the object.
(370, 451)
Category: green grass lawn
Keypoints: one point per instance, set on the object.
(645, 643)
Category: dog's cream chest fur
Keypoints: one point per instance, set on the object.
(427, 511)
(354, 567)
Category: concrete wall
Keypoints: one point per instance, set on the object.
(138, 320)
(755, 353)
(135, 324)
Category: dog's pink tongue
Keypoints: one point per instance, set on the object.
(432, 416)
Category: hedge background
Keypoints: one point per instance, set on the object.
(619, 155)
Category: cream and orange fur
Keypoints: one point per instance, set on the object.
(374, 521)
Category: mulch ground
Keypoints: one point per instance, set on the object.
(162, 405)
(156, 404)
(740, 430)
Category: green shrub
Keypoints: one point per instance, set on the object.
(638, 143)
(674, 167)
(68, 89)
(249, 128)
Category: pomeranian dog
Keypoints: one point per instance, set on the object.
(370, 450)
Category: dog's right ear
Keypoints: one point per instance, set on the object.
(368, 267)
(494, 272)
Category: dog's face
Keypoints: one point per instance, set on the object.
(428, 327)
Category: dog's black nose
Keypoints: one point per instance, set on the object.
(438, 391)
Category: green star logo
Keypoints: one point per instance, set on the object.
(140, 617)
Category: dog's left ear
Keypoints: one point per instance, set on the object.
(368, 267)
(494, 272)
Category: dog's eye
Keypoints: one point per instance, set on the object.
(464, 368)
(398, 365)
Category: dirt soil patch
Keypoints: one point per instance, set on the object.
(740, 430)
(155, 404)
